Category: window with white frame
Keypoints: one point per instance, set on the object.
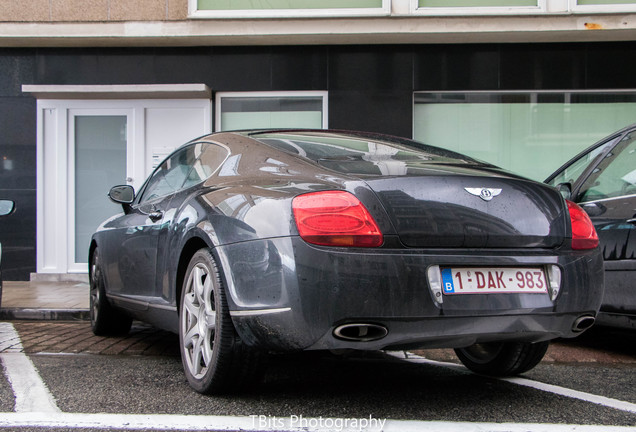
(264, 110)
(285, 8)
(464, 7)
(603, 5)
(530, 133)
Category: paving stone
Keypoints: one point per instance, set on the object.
(77, 337)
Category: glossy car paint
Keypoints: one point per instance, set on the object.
(615, 225)
(285, 294)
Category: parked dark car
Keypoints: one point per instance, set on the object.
(602, 180)
(258, 241)
(6, 208)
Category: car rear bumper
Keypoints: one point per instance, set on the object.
(403, 334)
(287, 295)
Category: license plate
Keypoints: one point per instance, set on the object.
(470, 280)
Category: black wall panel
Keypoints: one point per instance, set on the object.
(181, 65)
(70, 66)
(611, 66)
(241, 69)
(543, 67)
(370, 68)
(16, 67)
(299, 69)
(18, 183)
(383, 111)
(370, 88)
(456, 67)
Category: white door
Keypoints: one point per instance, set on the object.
(87, 146)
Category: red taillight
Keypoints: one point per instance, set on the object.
(335, 218)
(583, 232)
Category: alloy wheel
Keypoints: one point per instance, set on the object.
(198, 320)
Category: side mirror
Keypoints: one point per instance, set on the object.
(122, 194)
(565, 189)
(594, 209)
(6, 207)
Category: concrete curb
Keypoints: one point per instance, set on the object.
(44, 314)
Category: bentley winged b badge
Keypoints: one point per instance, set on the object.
(484, 193)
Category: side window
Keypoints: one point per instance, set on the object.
(171, 174)
(616, 174)
(210, 159)
(572, 172)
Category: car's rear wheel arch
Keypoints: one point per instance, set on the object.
(192, 246)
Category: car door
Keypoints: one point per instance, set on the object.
(201, 160)
(608, 195)
(138, 243)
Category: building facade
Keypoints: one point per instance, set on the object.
(96, 93)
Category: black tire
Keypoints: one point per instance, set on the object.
(502, 358)
(105, 320)
(215, 360)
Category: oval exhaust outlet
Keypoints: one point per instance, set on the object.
(583, 323)
(360, 332)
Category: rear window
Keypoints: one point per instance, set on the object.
(360, 154)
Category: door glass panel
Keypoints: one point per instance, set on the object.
(100, 163)
(615, 176)
(571, 173)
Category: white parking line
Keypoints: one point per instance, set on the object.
(31, 394)
(588, 397)
(9, 339)
(165, 422)
(561, 391)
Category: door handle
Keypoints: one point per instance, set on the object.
(631, 221)
(155, 216)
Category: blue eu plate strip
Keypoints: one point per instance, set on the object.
(447, 280)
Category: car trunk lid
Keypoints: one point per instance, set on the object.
(472, 211)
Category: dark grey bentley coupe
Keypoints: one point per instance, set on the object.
(250, 242)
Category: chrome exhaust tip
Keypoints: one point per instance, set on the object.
(360, 332)
(583, 323)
